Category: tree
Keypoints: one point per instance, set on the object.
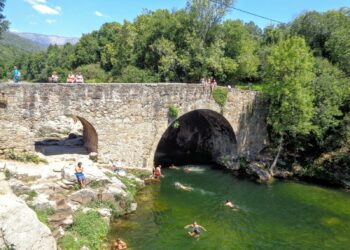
(3, 23)
(208, 13)
(289, 71)
(330, 91)
(241, 46)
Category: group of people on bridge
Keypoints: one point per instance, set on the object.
(53, 78)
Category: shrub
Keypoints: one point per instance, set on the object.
(93, 73)
(132, 74)
(220, 97)
(89, 229)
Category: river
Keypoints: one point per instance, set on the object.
(283, 215)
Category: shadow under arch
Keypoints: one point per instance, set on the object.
(203, 136)
(67, 142)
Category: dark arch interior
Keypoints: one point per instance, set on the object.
(201, 138)
(55, 141)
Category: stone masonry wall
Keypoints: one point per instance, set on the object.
(129, 119)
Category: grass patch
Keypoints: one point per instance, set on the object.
(31, 195)
(97, 184)
(43, 215)
(139, 173)
(89, 229)
(102, 204)
(130, 184)
(24, 157)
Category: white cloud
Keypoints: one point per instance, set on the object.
(14, 30)
(50, 21)
(45, 10)
(35, 1)
(97, 13)
(41, 7)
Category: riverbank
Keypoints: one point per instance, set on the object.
(74, 218)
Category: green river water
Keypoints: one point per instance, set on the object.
(283, 215)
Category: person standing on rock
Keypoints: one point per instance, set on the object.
(80, 175)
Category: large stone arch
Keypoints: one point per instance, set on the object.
(203, 136)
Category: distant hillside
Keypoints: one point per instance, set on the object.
(47, 40)
(12, 46)
(14, 40)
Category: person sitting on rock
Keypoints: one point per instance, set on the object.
(80, 175)
(196, 229)
(119, 245)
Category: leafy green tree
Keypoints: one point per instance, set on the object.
(338, 46)
(330, 91)
(241, 47)
(208, 14)
(87, 50)
(289, 71)
(3, 23)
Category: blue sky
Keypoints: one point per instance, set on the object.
(74, 17)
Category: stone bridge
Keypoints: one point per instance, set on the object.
(129, 122)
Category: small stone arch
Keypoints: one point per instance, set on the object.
(204, 136)
(66, 134)
(90, 136)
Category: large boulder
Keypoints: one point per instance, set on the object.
(91, 172)
(258, 170)
(20, 226)
(83, 196)
(42, 202)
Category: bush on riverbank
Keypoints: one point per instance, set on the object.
(89, 229)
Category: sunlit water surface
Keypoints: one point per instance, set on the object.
(284, 215)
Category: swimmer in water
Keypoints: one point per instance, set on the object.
(187, 169)
(229, 204)
(196, 229)
(172, 166)
(182, 187)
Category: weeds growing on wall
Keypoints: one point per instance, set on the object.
(173, 113)
(220, 97)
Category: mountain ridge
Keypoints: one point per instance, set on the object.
(47, 39)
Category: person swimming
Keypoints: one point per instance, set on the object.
(172, 166)
(196, 229)
(182, 187)
(229, 204)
